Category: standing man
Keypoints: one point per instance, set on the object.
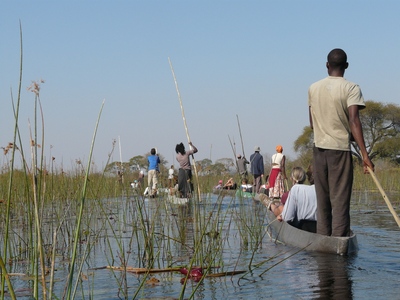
(241, 163)
(334, 105)
(185, 184)
(257, 168)
(152, 180)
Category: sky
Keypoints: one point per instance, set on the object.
(247, 61)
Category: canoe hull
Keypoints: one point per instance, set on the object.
(176, 200)
(293, 236)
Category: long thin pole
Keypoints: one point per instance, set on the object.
(240, 132)
(389, 205)
(184, 123)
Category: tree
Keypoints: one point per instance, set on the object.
(139, 162)
(228, 164)
(381, 128)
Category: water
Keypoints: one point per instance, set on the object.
(372, 273)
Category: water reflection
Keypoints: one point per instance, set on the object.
(333, 276)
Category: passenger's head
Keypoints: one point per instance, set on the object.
(310, 175)
(298, 175)
(180, 148)
(337, 59)
(153, 151)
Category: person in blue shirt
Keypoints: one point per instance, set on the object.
(152, 174)
(257, 168)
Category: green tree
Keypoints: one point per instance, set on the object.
(381, 128)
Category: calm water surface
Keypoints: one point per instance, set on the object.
(372, 273)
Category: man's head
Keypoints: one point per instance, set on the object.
(337, 62)
(153, 151)
(239, 156)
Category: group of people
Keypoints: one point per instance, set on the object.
(181, 183)
(229, 185)
(334, 105)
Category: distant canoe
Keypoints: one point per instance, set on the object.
(176, 200)
(247, 195)
(224, 192)
(293, 236)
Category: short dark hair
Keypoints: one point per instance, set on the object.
(153, 151)
(337, 58)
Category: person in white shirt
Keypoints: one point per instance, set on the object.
(300, 209)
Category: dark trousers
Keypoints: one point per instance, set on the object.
(333, 175)
(185, 185)
(257, 183)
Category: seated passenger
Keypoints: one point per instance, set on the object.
(264, 189)
(219, 186)
(246, 187)
(300, 209)
(230, 185)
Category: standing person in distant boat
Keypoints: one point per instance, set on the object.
(241, 163)
(152, 175)
(185, 184)
(278, 174)
(171, 175)
(334, 105)
(257, 168)
(141, 179)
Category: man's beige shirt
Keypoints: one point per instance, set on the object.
(329, 100)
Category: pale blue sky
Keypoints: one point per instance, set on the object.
(254, 59)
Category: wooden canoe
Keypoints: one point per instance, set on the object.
(176, 200)
(224, 192)
(289, 235)
(246, 195)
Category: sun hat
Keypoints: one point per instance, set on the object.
(257, 149)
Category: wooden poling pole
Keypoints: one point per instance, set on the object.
(389, 205)
(184, 123)
(240, 132)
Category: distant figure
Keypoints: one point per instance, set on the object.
(171, 177)
(278, 174)
(334, 105)
(219, 185)
(246, 187)
(135, 185)
(241, 163)
(141, 179)
(120, 175)
(257, 168)
(185, 184)
(230, 185)
(264, 189)
(152, 175)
